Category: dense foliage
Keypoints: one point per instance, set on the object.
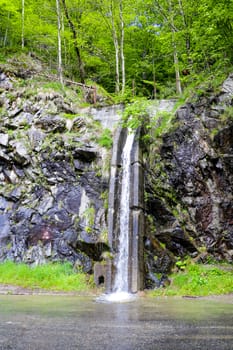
(130, 47)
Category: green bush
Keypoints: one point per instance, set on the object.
(105, 139)
(135, 114)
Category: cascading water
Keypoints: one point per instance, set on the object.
(121, 283)
(124, 275)
(120, 289)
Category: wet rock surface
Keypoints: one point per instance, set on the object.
(190, 184)
(51, 177)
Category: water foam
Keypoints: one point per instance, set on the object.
(117, 297)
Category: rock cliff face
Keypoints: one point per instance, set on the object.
(190, 185)
(53, 177)
(54, 180)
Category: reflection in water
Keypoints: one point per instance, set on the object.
(73, 323)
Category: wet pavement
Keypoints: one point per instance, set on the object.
(79, 323)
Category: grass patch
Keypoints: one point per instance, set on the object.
(199, 280)
(52, 276)
(53, 85)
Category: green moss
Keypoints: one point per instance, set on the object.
(104, 197)
(182, 263)
(166, 194)
(104, 236)
(88, 229)
(70, 115)
(89, 216)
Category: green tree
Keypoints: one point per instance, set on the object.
(10, 20)
(73, 28)
(59, 52)
(123, 44)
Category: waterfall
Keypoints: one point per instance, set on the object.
(121, 283)
(124, 274)
(124, 268)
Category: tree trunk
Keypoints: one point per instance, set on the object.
(175, 54)
(168, 15)
(73, 30)
(59, 53)
(122, 49)
(187, 34)
(177, 70)
(6, 31)
(23, 16)
(116, 46)
(154, 78)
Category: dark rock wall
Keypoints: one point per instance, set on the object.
(53, 181)
(189, 185)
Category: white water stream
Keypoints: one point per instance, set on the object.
(121, 288)
(121, 283)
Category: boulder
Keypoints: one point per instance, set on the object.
(50, 123)
(4, 139)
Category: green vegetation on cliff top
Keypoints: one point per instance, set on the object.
(131, 48)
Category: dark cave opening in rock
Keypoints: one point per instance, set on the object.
(101, 280)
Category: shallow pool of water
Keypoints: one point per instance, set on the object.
(80, 323)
